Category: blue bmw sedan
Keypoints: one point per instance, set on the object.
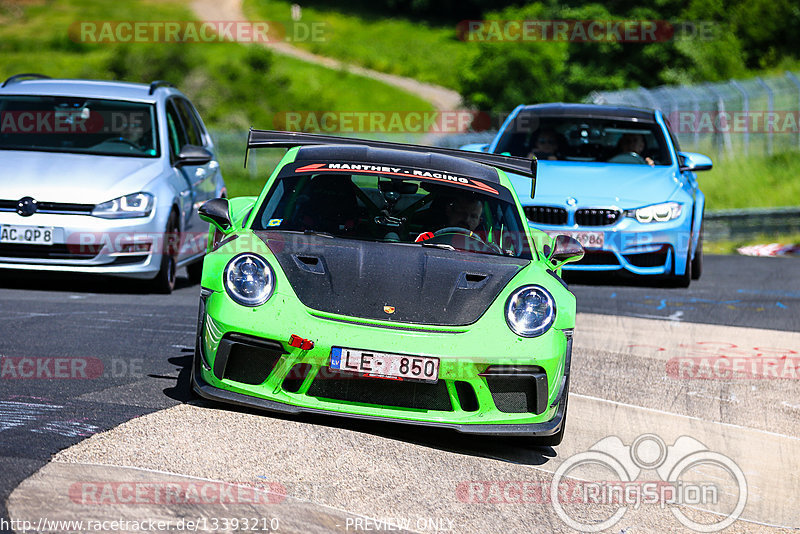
(615, 179)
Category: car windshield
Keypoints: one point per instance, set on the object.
(429, 209)
(564, 138)
(79, 125)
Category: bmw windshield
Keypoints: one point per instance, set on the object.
(392, 204)
(78, 125)
(568, 138)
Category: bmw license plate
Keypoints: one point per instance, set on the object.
(383, 365)
(587, 239)
(26, 235)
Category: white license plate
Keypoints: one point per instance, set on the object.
(26, 235)
(587, 239)
(383, 365)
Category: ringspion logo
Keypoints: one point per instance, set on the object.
(615, 477)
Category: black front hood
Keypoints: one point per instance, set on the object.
(360, 278)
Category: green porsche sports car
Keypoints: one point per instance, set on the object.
(389, 282)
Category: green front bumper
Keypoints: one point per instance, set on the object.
(299, 381)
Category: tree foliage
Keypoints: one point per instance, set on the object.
(710, 40)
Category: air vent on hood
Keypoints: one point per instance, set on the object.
(472, 280)
(312, 264)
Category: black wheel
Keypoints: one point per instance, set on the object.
(192, 382)
(164, 282)
(195, 271)
(555, 439)
(681, 280)
(697, 262)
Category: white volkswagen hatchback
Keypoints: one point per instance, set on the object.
(103, 177)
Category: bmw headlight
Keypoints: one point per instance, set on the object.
(663, 212)
(530, 311)
(249, 280)
(129, 206)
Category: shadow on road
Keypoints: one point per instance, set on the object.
(513, 450)
(613, 278)
(79, 283)
(182, 390)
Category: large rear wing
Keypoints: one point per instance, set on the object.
(279, 139)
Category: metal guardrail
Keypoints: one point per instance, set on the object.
(724, 119)
(732, 225)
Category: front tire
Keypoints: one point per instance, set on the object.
(697, 262)
(682, 280)
(195, 271)
(555, 439)
(164, 282)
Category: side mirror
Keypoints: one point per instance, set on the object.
(193, 155)
(565, 249)
(690, 161)
(215, 211)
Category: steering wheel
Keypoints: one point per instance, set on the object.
(628, 157)
(468, 234)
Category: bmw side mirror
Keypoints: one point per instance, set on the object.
(565, 249)
(690, 161)
(215, 211)
(193, 155)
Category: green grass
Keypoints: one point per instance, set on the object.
(752, 182)
(395, 45)
(234, 86)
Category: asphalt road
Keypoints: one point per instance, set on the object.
(734, 290)
(130, 352)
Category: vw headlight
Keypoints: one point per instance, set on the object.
(657, 212)
(129, 206)
(249, 280)
(530, 311)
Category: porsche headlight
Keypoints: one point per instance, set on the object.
(129, 206)
(249, 280)
(530, 311)
(663, 212)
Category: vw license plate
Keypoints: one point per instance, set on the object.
(383, 365)
(26, 235)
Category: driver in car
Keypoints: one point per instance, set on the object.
(634, 144)
(464, 212)
(461, 211)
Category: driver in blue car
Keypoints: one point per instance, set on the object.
(631, 143)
